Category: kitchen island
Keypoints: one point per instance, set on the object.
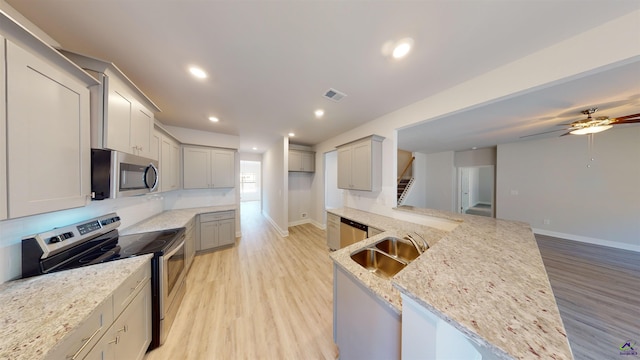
(485, 278)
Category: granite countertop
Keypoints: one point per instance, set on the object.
(172, 219)
(485, 277)
(39, 312)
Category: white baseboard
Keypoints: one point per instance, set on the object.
(588, 240)
(283, 233)
(319, 225)
(238, 234)
(299, 222)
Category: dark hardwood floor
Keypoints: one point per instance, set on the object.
(597, 289)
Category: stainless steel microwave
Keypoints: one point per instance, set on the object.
(115, 174)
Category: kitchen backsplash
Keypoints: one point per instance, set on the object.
(131, 209)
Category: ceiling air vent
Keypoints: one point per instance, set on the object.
(334, 95)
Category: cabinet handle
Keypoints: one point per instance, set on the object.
(86, 342)
(115, 341)
(124, 329)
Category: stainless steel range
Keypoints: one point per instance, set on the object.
(96, 241)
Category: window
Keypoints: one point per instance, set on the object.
(248, 183)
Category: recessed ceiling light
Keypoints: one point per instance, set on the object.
(197, 72)
(474, 148)
(292, 134)
(402, 48)
(319, 113)
(254, 148)
(213, 119)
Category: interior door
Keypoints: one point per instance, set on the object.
(464, 189)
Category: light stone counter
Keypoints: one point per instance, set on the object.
(37, 313)
(485, 277)
(171, 219)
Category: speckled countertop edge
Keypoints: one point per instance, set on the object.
(523, 320)
(39, 312)
(172, 219)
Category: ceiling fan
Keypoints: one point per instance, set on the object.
(592, 125)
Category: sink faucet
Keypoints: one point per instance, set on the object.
(420, 248)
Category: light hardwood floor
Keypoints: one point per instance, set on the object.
(598, 293)
(268, 297)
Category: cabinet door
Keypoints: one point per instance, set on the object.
(308, 162)
(118, 117)
(166, 168)
(155, 146)
(48, 150)
(361, 166)
(3, 136)
(208, 235)
(133, 327)
(226, 232)
(197, 168)
(344, 168)
(333, 231)
(295, 161)
(175, 166)
(222, 168)
(141, 128)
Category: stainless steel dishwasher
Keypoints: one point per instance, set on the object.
(351, 232)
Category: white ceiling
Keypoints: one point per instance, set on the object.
(270, 61)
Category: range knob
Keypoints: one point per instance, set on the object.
(56, 239)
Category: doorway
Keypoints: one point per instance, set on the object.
(250, 180)
(476, 187)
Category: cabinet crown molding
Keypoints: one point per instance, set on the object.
(372, 137)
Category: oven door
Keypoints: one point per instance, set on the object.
(172, 289)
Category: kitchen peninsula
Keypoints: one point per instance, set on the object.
(485, 278)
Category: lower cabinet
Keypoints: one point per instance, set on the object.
(333, 231)
(190, 243)
(216, 230)
(119, 328)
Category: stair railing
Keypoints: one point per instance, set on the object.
(406, 168)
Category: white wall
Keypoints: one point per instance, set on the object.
(617, 42)
(479, 157)
(594, 201)
(275, 202)
(299, 197)
(334, 196)
(440, 181)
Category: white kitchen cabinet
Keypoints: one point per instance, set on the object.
(121, 115)
(119, 328)
(155, 146)
(130, 335)
(169, 163)
(302, 161)
(216, 230)
(206, 168)
(333, 231)
(48, 149)
(360, 164)
(3, 136)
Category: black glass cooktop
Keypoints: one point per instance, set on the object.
(156, 242)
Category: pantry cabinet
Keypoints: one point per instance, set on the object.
(169, 163)
(122, 115)
(360, 164)
(216, 230)
(301, 161)
(48, 149)
(208, 168)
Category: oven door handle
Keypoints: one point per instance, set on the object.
(175, 250)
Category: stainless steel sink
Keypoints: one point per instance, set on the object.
(398, 248)
(378, 262)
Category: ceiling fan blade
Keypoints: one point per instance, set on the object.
(630, 121)
(567, 133)
(546, 132)
(626, 117)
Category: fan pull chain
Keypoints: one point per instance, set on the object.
(590, 148)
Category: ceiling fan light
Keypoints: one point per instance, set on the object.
(591, 130)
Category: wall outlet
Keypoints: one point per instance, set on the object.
(546, 221)
(303, 215)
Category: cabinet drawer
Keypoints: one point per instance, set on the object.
(222, 215)
(81, 340)
(333, 219)
(129, 288)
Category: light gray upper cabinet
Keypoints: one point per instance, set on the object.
(121, 115)
(48, 154)
(169, 163)
(360, 164)
(302, 161)
(208, 168)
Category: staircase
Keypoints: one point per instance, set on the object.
(403, 188)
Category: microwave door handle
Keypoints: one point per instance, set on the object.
(152, 187)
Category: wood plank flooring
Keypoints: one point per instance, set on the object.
(271, 297)
(598, 293)
(268, 297)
